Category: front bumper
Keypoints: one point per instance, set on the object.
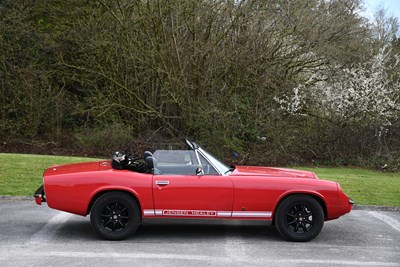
(335, 211)
(40, 195)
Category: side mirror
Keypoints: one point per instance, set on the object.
(199, 171)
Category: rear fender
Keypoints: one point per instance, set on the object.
(100, 191)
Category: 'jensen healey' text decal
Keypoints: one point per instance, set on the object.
(189, 213)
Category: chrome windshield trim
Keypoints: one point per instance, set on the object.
(198, 158)
(214, 162)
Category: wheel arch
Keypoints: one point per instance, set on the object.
(99, 193)
(314, 195)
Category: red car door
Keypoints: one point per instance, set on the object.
(193, 195)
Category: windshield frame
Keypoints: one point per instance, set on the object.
(218, 165)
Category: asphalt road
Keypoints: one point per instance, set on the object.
(32, 235)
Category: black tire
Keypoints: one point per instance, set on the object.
(115, 216)
(299, 218)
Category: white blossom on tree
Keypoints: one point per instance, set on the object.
(292, 104)
(361, 94)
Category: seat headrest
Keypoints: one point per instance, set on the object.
(147, 154)
(151, 163)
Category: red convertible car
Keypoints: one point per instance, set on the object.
(175, 184)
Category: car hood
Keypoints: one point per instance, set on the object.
(271, 172)
(77, 167)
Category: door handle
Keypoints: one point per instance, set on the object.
(162, 182)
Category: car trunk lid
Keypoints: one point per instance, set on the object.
(77, 167)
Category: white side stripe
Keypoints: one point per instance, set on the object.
(158, 212)
(148, 212)
(255, 214)
(224, 213)
(196, 213)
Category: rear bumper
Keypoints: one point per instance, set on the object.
(39, 195)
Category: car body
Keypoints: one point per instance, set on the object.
(176, 184)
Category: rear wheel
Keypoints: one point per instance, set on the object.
(115, 216)
(299, 218)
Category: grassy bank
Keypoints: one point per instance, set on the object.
(364, 186)
(20, 175)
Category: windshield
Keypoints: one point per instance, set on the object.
(222, 167)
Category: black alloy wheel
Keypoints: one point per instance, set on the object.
(115, 216)
(299, 218)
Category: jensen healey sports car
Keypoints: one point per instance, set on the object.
(175, 184)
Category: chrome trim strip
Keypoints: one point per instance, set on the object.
(148, 212)
(158, 212)
(224, 213)
(255, 214)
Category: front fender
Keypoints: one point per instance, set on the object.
(318, 196)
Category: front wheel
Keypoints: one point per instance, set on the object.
(299, 218)
(115, 216)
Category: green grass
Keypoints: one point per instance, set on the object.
(365, 187)
(21, 175)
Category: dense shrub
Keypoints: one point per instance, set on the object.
(278, 82)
